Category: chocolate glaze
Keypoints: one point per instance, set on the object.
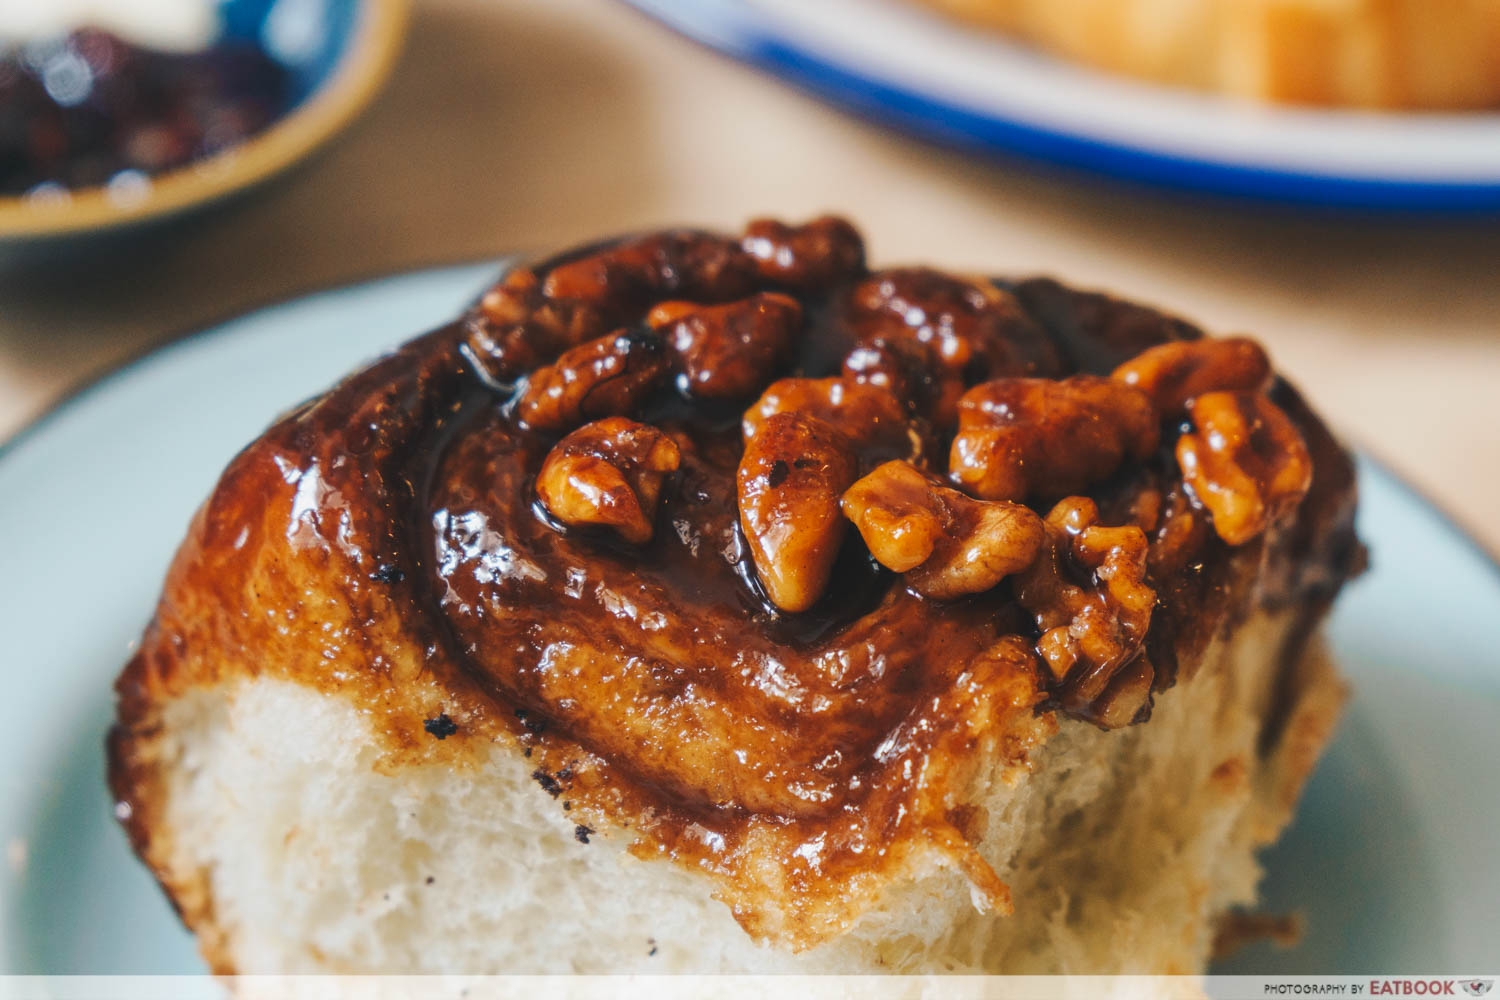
(384, 542)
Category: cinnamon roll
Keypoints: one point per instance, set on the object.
(717, 602)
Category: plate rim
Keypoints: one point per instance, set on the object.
(74, 393)
(78, 393)
(947, 123)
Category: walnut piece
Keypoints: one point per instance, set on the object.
(1245, 461)
(1177, 535)
(1092, 633)
(808, 256)
(604, 377)
(912, 371)
(790, 479)
(609, 473)
(948, 544)
(1171, 374)
(515, 327)
(678, 263)
(1127, 696)
(527, 320)
(870, 417)
(728, 351)
(1020, 437)
(975, 327)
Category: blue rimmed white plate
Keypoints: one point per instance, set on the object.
(1392, 855)
(905, 67)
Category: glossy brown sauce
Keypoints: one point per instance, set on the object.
(804, 760)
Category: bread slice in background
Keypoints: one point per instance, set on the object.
(1414, 54)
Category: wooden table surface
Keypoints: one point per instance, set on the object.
(511, 125)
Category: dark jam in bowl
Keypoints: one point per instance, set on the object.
(89, 108)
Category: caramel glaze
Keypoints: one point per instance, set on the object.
(383, 542)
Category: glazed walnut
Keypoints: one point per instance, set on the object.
(1127, 699)
(515, 327)
(604, 377)
(1020, 437)
(627, 277)
(869, 416)
(975, 328)
(912, 371)
(526, 320)
(1178, 533)
(821, 252)
(1245, 461)
(1092, 630)
(728, 351)
(789, 480)
(608, 474)
(948, 544)
(1172, 374)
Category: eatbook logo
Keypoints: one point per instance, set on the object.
(1477, 987)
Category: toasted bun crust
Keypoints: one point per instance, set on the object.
(390, 649)
(1419, 54)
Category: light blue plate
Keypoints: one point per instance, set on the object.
(1392, 857)
(903, 66)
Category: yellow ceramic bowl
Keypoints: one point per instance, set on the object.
(366, 62)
